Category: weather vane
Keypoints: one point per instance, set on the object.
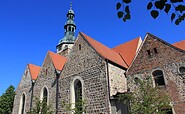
(71, 5)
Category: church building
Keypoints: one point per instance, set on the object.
(85, 69)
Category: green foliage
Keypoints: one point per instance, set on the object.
(41, 107)
(6, 100)
(79, 107)
(124, 13)
(154, 13)
(146, 100)
(175, 8)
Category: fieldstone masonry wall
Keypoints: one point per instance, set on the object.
(168, 59)
(88, 65)
(23, 87)
(46, 78)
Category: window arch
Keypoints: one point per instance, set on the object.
(44, 95)
(22, 104)
(158, 78)
(76, 94)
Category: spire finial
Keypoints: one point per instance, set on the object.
(70, 5)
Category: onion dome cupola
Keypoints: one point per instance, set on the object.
(68, 40)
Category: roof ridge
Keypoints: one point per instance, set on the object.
(139, 37)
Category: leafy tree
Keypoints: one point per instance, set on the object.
(174, 8)
(41, 107)
(6, 100)
(146, 100)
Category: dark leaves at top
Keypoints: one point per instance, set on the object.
(126, 1)
(175, 1)
(180, 8)
(154, 14)
(127, 10)
(167, 8)
(149, 6)
(120, 14)
(118, 6)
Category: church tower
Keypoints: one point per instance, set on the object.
(66, 43)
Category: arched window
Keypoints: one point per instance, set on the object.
(22, 104)
(78, 94)
(158, 78)
(45, 95)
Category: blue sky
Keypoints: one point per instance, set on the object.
(29, 28)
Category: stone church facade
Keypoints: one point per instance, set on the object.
(83, 68)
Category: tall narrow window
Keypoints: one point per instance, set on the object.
(149, 53)
(78, 95)
(69, 28)
(158, 78)
(46, 72)
(79, 47)
(23, 103)
(45, 95)
(155, 50)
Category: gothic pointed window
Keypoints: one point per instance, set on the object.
(158, 78)
(78, 94)
(22, 104)
(45, 95)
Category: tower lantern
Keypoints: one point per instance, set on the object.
(66, 43)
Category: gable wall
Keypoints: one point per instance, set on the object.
(23, 87)
(168, 60)
(46, 80)
(90, 67)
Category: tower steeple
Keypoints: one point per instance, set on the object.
(67, 41)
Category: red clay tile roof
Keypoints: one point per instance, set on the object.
(58, 60)
(128, 50)
(104, 51)
(34, 71)
(180, 44)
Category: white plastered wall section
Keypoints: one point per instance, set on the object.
(117, 80)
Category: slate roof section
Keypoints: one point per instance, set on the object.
(104, 51)
(58, 60)
(180, 44)
(128, 50)
(34, 71)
